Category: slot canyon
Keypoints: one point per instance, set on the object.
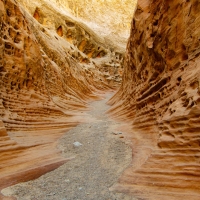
(99, 100)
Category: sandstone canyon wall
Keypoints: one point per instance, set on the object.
(160, 97)
(50, 66)
(110, 18)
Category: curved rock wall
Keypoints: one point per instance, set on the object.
(160, 96)
(83, 45)
(50, 65)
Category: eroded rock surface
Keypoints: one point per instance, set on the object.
(96, 164)
(111, 18)
(50, 65)
(160, 97)
(108, 18)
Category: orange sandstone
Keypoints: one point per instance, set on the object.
(160, 97)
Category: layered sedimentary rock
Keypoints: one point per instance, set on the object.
(86, 47)
(160, 97)
(50, 65)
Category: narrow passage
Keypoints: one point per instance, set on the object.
(95, 166)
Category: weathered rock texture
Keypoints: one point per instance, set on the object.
(160, 96)
(111, 18)
(50, 64)
(83, 45)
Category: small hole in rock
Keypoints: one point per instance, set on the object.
(155, 23)
(8, 13)
(185, 57)
(60, 31)
(179, 78)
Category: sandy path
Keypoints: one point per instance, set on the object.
(94, 168)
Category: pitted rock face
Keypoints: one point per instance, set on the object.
(26, 104)
(84, 45)
(160, 96)
(40, 62)
(50, 65)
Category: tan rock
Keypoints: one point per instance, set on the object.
(2, 129)
(160, 97)
(50, 65)
(109, 18)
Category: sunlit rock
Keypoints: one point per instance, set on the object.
(51, 64)
(160, 97)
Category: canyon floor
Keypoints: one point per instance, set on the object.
(94, 166)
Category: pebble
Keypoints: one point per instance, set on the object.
(116, 133)
(77, 144)
(51, 194)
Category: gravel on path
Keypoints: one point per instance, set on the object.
(98, 159)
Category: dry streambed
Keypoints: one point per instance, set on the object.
(97, 161)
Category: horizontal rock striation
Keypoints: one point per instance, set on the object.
(83, 45)
(50, 66)
(160, 97)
